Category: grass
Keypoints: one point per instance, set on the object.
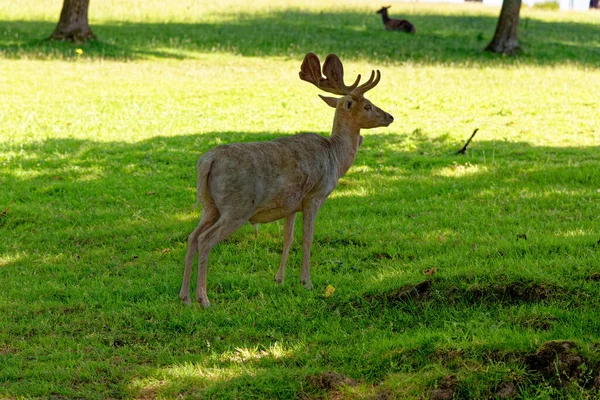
(476, 275)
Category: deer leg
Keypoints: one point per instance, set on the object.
(288, 238)
(206, 241)
(309, 214)
(209, 217)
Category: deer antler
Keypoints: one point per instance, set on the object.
(310, 71)
(368, 85)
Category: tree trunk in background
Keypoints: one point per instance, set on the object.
(594, 4)
(505, 39)
(73, 24)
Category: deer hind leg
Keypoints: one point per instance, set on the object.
(288, 239)
(209, 217)
(219, 231)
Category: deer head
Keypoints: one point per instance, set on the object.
(352, 108)
(383, 10)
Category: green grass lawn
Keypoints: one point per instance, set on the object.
(474, 276)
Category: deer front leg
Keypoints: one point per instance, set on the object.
(288, 238)
(309, 214)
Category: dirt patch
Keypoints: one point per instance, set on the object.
(512, 292)
(594, 277)
(402, 294)
(329, 381)
(5, 350)
(381, 256)
(448, 357)
(340, 242)
(506, 390)
(446, 388)
(539, 323)
(78, 308)
(522, 236)
(555, 364)
(150, 392)
(557, 360)
(383, 394)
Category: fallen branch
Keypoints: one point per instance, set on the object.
(463, 150)
(3, 213)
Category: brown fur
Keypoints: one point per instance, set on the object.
(390, 24)
(266, 181)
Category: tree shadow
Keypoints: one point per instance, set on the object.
(441, 39)
(59, 179)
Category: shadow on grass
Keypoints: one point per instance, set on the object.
(441, 39)
(124, 188)
(393, 159)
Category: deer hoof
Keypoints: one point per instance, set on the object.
(187, 302)
(307, 285)
(185, 299)
(278, 280)
(204, 303)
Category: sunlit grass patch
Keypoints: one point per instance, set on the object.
(217, 373)
(243, 355)
(184, 377)
(10, 259)
(457, 170)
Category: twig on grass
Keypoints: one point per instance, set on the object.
(463, 150)
(5, 212)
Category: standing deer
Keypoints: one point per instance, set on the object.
(390, 24)
(266, 181)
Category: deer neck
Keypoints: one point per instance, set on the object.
(345, 139)
(384, 16)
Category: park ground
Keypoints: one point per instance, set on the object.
(472, 276)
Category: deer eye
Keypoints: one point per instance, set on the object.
(368, 107)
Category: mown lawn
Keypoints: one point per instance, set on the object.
(474, 276)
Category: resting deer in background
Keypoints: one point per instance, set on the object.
(395, 24)
(266, 181)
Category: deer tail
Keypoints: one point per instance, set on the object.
(203, 167)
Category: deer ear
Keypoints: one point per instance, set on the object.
(331, 101)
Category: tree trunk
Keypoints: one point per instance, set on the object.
(594, 4)
(505, 39)
(73, 24)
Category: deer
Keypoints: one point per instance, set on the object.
(390, 24)
(261, 182)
